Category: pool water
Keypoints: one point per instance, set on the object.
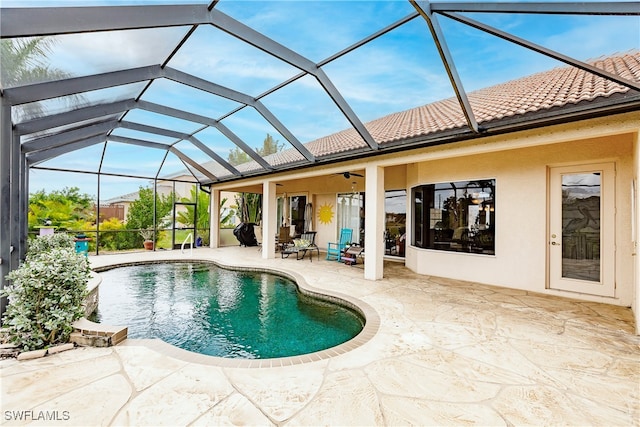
(210, 310)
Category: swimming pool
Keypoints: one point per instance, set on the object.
(203, 308)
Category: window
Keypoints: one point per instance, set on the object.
(455, 216)
(293, 211)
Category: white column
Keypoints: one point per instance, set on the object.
(374, 223)
(269, 221)
(636, 233)
(214, 219)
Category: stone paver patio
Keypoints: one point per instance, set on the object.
(445, 353)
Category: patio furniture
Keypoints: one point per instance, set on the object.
(258, 232)
(351, 254)
(334, 250)
(283, 238)
(306, 243)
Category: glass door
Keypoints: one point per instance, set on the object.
(395, 231)
(581, 243)
(350, 214)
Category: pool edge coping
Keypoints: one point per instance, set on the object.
(369, 330)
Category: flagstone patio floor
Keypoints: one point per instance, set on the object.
(445, 352)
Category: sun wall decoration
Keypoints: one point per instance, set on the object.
(325, 213)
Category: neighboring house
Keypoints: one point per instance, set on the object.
(545, 208)
(118, 204)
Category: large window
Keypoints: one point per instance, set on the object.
(455, 216)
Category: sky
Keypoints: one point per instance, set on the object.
(396, 72)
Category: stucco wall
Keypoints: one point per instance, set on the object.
(521, 213)
(326, 232)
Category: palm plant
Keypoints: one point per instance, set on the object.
(26, 61)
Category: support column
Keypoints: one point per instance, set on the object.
(269, 221)
(636, 232)
(214, 219)
(374, 223)
(15, 202)
(5, 196)
(24, 205)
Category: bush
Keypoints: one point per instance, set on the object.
(43, 244)
(46, 293)
(113, 236)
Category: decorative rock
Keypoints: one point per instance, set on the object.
(61, 347)
(8, 350)
(90, 340)
(35, 354)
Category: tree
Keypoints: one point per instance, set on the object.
(269, 146)
(65, 209)
(140, 215)
(250, 205)
(25, 61)
(226, 214)
(202, 212)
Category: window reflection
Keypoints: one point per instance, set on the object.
(395, 206)
(455, 216)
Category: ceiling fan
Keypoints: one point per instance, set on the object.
(348, 175)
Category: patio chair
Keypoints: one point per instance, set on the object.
(258, 231)
(306, 243)
(283, 238)
(334, 250)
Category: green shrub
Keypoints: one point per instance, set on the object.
(112, 235)
(48, 242)
(46, 293)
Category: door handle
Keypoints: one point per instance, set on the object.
(555, 244)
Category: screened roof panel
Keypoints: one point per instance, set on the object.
(85, 159)
(174, 168)
(216, 56)
(71, 102)
(374, 78)
(75, 55)
(75, 3)
(217, 142)
(253, 129)
(316, 29)
(186, 98)
(64, 128)
(161, 120)
(127, 159)
(306, 109)
(145, 136)
(197, 155)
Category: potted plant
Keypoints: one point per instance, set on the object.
(147, 235)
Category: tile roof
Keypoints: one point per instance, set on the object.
(562, 87)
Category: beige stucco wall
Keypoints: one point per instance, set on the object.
(521, 213)
(519, 161)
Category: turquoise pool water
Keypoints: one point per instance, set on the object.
(210, 310)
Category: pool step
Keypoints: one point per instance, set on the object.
(91, 334)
